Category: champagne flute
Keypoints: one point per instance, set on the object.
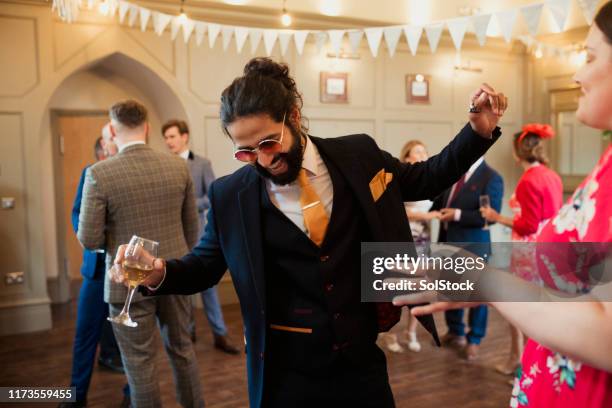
(137, 265)
(485, 202)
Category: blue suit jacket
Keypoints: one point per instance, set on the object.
(93, 266)
(233, 234)
(469, 228)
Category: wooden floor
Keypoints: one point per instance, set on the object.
(432, 378)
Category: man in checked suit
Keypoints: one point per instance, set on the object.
(150, 194)
(176, 136)
(289, 227)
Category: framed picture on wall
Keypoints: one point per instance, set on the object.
(417, 89)
(334, 87)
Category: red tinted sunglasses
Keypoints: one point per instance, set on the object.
(266, 146)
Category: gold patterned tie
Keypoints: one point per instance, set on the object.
(315, 216)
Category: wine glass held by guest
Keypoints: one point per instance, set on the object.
(567, 361)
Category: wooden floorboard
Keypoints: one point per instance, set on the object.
(432, 378)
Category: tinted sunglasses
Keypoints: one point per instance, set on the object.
(266, 146)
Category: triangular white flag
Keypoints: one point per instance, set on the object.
(321, 39)
(284, 37)
(374, 35)
(226, 35)
(559, 9)
(255, 38)
(354, 40)
(481, 24)
(507, 20)
(188, 26)
(124, 6)
(335, 39)
(175, 25)
(434, 32)
(456, 28)
(392, 35)
(413, 35)
(213, 33)
(133, 15)
(144, 18)
(240, 34)
(299, 37)
(588, 9)
(160, 21)
(269, 37)
(200, 28)
(531, 15)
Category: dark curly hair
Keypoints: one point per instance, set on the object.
(265, 87)
(603, 19)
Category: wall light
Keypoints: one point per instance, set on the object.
(285, 17)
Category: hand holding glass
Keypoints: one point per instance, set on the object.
(137, 265)
(485, 202)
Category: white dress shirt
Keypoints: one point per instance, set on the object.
(128, 144)
(287, 198)
(468, 174)
(184, 154)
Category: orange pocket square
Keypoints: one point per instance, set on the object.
(379, 183)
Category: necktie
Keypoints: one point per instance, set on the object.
(315, 216)
(458, 185)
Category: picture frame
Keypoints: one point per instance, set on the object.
(334, 87)
(417, 89)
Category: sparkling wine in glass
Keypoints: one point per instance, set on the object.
(137, 265)
(485, 202)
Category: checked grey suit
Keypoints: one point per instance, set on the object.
(150, 194)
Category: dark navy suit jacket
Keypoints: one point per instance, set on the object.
(93, 266)
(233, 234)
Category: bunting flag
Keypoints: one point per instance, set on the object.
(413, 36)
(200, 28)
(456, 28)
(145, 13)
(559, 9)
(354, 40)
(255, 38)
(392, 36)
(588, 9)
(124, 6)
(434, 32)
(213, 33)
(299, 37)
(284, 37)
(374, 35)
(269, 37)
(133, 15)
(321, 38)
(335, 39)
(226, 36)
(160, 22)
(175, 26)
(241, 34)
(506, 20)
(481, 25)
(188, 26)
(531, 15)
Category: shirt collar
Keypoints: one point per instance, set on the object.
(128, 144)
(474, 166)
(185, 154)
(311, 155)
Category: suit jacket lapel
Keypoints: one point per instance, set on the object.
(250, 215)
(350, 167)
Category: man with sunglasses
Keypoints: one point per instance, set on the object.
(289, 227)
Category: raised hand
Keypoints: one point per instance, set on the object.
(487, 106)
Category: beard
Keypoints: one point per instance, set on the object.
(293, 157)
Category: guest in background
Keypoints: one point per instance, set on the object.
(176, 136)
(461, 221)
(420, 218)
(537, 198)
(92, 327)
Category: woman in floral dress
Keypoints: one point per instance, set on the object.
(568, 360)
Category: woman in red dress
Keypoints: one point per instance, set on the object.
(568, 360)
(537, 198)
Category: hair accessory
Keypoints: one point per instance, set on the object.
(539, 129)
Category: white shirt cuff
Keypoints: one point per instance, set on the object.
(457, 215)
(160, 283)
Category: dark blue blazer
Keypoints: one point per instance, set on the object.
(233, 234)
(93, 266)
(469, 228)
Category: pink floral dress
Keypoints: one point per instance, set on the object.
(546, 378)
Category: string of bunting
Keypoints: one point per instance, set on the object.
(132, 14)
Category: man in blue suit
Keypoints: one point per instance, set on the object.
(289, 228)
(92, 327)
(461, 222)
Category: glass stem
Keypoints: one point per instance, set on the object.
(126, 306)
